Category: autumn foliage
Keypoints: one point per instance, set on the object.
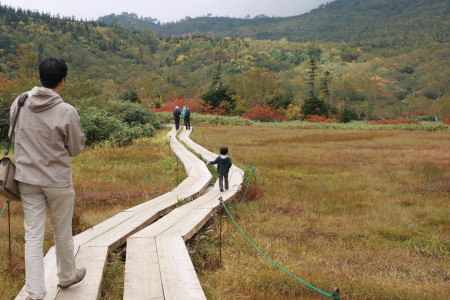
(446, 121)
(319, 119)
(3, 82)
(417, 112)
(263, 114)
(195, 105)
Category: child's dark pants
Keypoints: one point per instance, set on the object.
(222, 177)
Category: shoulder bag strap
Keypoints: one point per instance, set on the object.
(20, 103)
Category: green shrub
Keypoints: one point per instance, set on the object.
(425, 118)
(130, 96)
(115, 121)
(314, 106)
(4, 120)
(98, 126)
(125, 135)
(132, 114)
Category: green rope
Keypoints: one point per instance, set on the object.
(111, 187)
(269, 259)
(4, 206)
(252, 170)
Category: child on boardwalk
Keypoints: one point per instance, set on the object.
(223, 166)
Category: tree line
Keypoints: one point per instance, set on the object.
(107, 62)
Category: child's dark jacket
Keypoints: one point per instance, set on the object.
(223, 164)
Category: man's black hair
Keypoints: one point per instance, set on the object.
(51, 71)
(224, 150)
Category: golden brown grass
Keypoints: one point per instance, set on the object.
(363, 210)
(107, 180)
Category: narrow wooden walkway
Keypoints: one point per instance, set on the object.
(158, 265)
(93, 245)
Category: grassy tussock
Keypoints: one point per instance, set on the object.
(107, 180)
(363, 210)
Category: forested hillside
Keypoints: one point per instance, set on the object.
(392, 75)
(377, 23)
(206, 24)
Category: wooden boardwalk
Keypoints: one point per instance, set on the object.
(158, 265)
(157, 258)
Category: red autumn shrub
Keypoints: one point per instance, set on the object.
(417, 112)
(195, 105)
(319, 119)
(263, 114)
(211, 110)
(446, 121)
(395, 121)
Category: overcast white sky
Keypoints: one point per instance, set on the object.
(167, 10)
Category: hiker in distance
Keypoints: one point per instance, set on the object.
(48, 133)
(187, 119)
(223, 167)
(176, 116)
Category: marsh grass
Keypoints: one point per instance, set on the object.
(114, 276)
(363, 210)
(107, 180)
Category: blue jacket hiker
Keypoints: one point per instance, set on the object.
(176, 116)
(224, 164)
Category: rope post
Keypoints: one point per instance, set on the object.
(335, 292)
(253, 171)
(9, 238)
(220, 231)
(177, 169)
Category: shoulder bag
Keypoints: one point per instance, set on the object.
(8, 186)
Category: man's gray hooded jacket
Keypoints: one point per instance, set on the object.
(47, 133)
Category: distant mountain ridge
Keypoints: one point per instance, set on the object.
(187, 25)
(339, 20)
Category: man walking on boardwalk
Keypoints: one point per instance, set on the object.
(48, 132)
(176, 116)
(187, 119)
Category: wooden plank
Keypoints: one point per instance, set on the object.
(209, 200)
(117, 235)
(163, 224)
(191, 186)
(94, 260)
(142, 274)
(177, 272)
(51, 280)
(190, 224)
(101, 228)
(168, 197)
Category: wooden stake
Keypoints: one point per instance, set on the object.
(9, 238)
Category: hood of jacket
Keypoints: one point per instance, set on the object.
(41, 98)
